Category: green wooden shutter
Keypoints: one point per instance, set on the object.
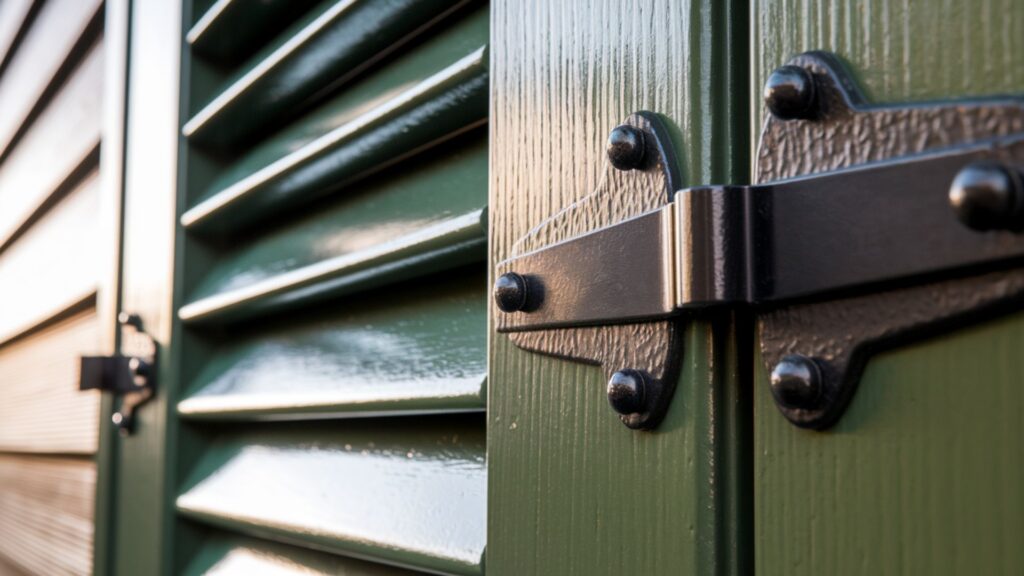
(332, 356)
(922, 473)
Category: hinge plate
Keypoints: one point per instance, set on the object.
(849, 199)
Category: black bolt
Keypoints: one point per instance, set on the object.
(133, 320)
(790, 93)
(626, 389)
(987, 196)
(626, 147)
(510, 292)
(796, 382)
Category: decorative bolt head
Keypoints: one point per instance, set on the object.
(797, 382)
(510, 292)
(626, 390)
(626, 147)
(790, 93)
(987, 196)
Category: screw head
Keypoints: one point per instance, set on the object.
(510, 292)
(987, 196)
(626, 147)
(796, 382)
(626, 390)
(789, 93)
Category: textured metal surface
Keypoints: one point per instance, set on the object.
(566, 298)
(840, 137)
(839, 333)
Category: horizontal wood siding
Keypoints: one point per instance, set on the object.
(52, 245)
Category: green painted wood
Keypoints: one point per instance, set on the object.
(571, 490)
(922, 475)
(424, 218)
(223, 555)
(421, 98)
(414, 489)
(146, 462)
(394, 352)
(231, 30)
(327, 46)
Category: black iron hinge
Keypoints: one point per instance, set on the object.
(133, 378)
(866, 226)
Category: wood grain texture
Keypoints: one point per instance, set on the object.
(922, 473)
(46, 510)
(42, 409)
(571, 490)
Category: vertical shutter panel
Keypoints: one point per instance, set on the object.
(334, 288)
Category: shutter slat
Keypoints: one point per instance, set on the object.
(233, 555)
(394, 353)
(437, 108)
(349, 153)
(425, 218)
(414, 491)
(232, 29)
(334, 42)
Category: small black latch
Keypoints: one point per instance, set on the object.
(132, 377)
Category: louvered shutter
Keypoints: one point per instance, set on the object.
(333, 350)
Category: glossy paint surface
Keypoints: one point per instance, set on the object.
(331, 300)
(571, 490)
(394, 353)
(241, 556)
(326, 46)
(431, 210)
(282, 483)
(922, 474)
(228, 30)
